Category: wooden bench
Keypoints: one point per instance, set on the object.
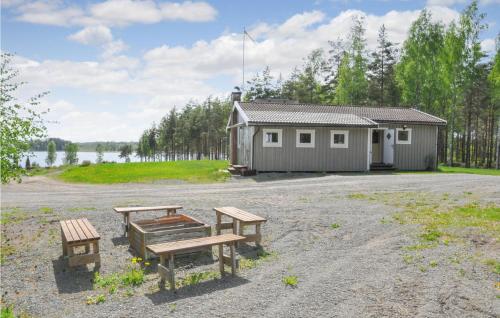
(80, 233)
(169, 249)
(243, 218)
(125, 211)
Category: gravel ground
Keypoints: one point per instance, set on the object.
(356, 270)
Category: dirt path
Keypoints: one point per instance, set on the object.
(356, 270)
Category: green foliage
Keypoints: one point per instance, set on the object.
(196, 171)
(51, 154)
(71, 153)
(262, 256)
(99, 149)
(96, 300)
(132, 277)
(263, 86)
(494, 265)
(335, 226)
(19, 122)
(46, 210)
(291, 280)
(196, 278)
(7, 312)
(125, 152)
(480, 171)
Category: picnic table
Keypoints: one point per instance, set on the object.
(78, 233)
(125, 211)
(240, 220)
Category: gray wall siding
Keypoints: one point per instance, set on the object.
(319, 158)
(415, 156)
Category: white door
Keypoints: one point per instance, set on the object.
(389, 146)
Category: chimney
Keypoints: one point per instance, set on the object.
(236, 95)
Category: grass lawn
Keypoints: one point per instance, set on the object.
(490, 172)
(196, 171)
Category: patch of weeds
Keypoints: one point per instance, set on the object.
(431, 235)
(95, 300)
(133, 276)
(262, 256)
(172, 307)
(196, 278)
(422, 268)
(13, 215)
(46, 210)
(81, 209)
(420, 246)
(53, 235)
(335, 226)
(7, 312)
(357, 196)
(408, 258)
(291, 280)
(433, 264)
(494, 265)
(129, 292)
(5, 251)
(305, 200)
(385, 221)
(461, 272)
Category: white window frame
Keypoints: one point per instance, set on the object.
(339, 132)
(272, 144)
(299, 144)
(403, 142)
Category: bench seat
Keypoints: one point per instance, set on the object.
(80, 233)
(169, 249)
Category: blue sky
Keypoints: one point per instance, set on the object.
(113, 67)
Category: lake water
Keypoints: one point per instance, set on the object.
(40, 156)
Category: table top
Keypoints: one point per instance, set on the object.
(240, 214)
(146, 208)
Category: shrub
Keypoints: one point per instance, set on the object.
(7, 312)
(85, 163)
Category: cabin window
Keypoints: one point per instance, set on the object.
(376, 137)
(305, 138)
(403, 136)
(339, 139)
(272, 137)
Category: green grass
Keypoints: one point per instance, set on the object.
(335, 226)
(482, 171)
(195, 171)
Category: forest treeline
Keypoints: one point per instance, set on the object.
(439, 69)
(107, 146)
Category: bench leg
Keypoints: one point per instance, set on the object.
(221, 259)
(171, 278)
(161, 272)
(257, 234)
(64, 245)
(233, 259)
(235, 228)
(95, 248)
(219, 221)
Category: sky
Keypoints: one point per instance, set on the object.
(114, 67)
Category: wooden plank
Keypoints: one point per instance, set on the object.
(79, 231)
(67, 234)
(73, 232)
(225, 225)
(146, 208)
(84, 228)
(77, 260)
(91, 228)
(172, 247)
(240, 214)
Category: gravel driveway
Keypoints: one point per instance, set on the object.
(355, 270)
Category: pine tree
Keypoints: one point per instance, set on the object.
(99, 149)
(383, 88)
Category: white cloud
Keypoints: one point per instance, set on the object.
(93, 35)
(172, 75)
(188, 11)
(488, 45)
(446, 3)
(111, 12)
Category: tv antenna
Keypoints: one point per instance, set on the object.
(245, 35)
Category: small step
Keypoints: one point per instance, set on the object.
(381, 167)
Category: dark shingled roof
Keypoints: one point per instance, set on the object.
(293, 113)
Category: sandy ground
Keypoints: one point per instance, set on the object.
(356, 270)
